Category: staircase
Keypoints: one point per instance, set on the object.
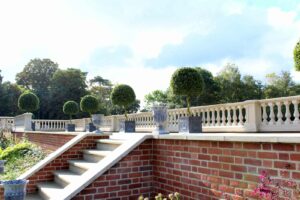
(95, 162)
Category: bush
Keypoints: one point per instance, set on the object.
(187, 82)
(70, 108)
(297, 56)
(28, 102)
(123, 95)
(89, 104)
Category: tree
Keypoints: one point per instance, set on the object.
(89, 104)
(157, 96)
(28, 102)
(230, 84)
(66, 84)
(251, 88)
(279, 85)
(123, 96)
(187, 82)
(297, 56)
(70, 108)
(9, 94)
(36, 76)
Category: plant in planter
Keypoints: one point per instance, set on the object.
(123, 95)
(90, 104)
(29, 102)
(189, 83)
(70, 108)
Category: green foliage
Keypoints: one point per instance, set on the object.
(19, 158)
(172, 196)
(297, 56)
(9, 99)
(66, 84)
(28, 102)
(36, 76)
(187, 82)
(70, 108)
(89, 104)
(122, 95)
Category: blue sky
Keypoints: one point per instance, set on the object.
(141, 42)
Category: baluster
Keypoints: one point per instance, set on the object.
(272, 115)
(203, 117)
(213, 119)
(218, 116)
(264, 114)
(223, 117)
(287, 112)
(279, 114)
(229, 116)
(241, 122)
(296, 111)
(234, 115)
(208, 117)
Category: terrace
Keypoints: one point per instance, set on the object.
(239, 142)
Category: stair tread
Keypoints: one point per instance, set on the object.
(110, 141)
(82, 163)
(33, 197)
(97, 152)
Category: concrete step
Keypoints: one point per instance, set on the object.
(94, 155)
(80, 166)
(108, 144)
(49, 190)
(33, 197)
(65, 177)
(121, 136)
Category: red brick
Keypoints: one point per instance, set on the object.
(283, 147)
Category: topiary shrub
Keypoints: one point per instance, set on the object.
(123, 95)
(28, 102)
(297, 56)
(89, 104)
(70, 108)
(187, 82)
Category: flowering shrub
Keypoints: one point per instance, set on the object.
(270, 189)
(175, 196)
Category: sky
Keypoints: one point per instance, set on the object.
(141, 42)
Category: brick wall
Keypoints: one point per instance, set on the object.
(61, 162)
(206, 170)
(47, 141)
(127, 180)
(199, 170)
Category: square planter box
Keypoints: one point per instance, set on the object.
(190, 125)
(71, 127)
(127, 126)
(90, 127)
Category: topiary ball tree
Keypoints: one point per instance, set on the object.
(187, 82)
(123, 95)
(89, 104)
(70, 108)
(28, 102)
(297, 56)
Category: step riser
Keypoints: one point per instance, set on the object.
(107, 147)
(43, 195)
(60, 181)
(92, 158)
(76, 169)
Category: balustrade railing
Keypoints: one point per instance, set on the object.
(6, 123)
(278, 114)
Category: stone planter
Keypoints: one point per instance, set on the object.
(2, 162)
(190, 125)
(127, 126)
(71, 127)
(97, 120)
(90, 127)
(15, 189)
(160, 117)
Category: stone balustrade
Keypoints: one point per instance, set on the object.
(274, 115)
(6, 123)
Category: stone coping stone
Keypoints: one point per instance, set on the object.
(235, 137)
(64, 133)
